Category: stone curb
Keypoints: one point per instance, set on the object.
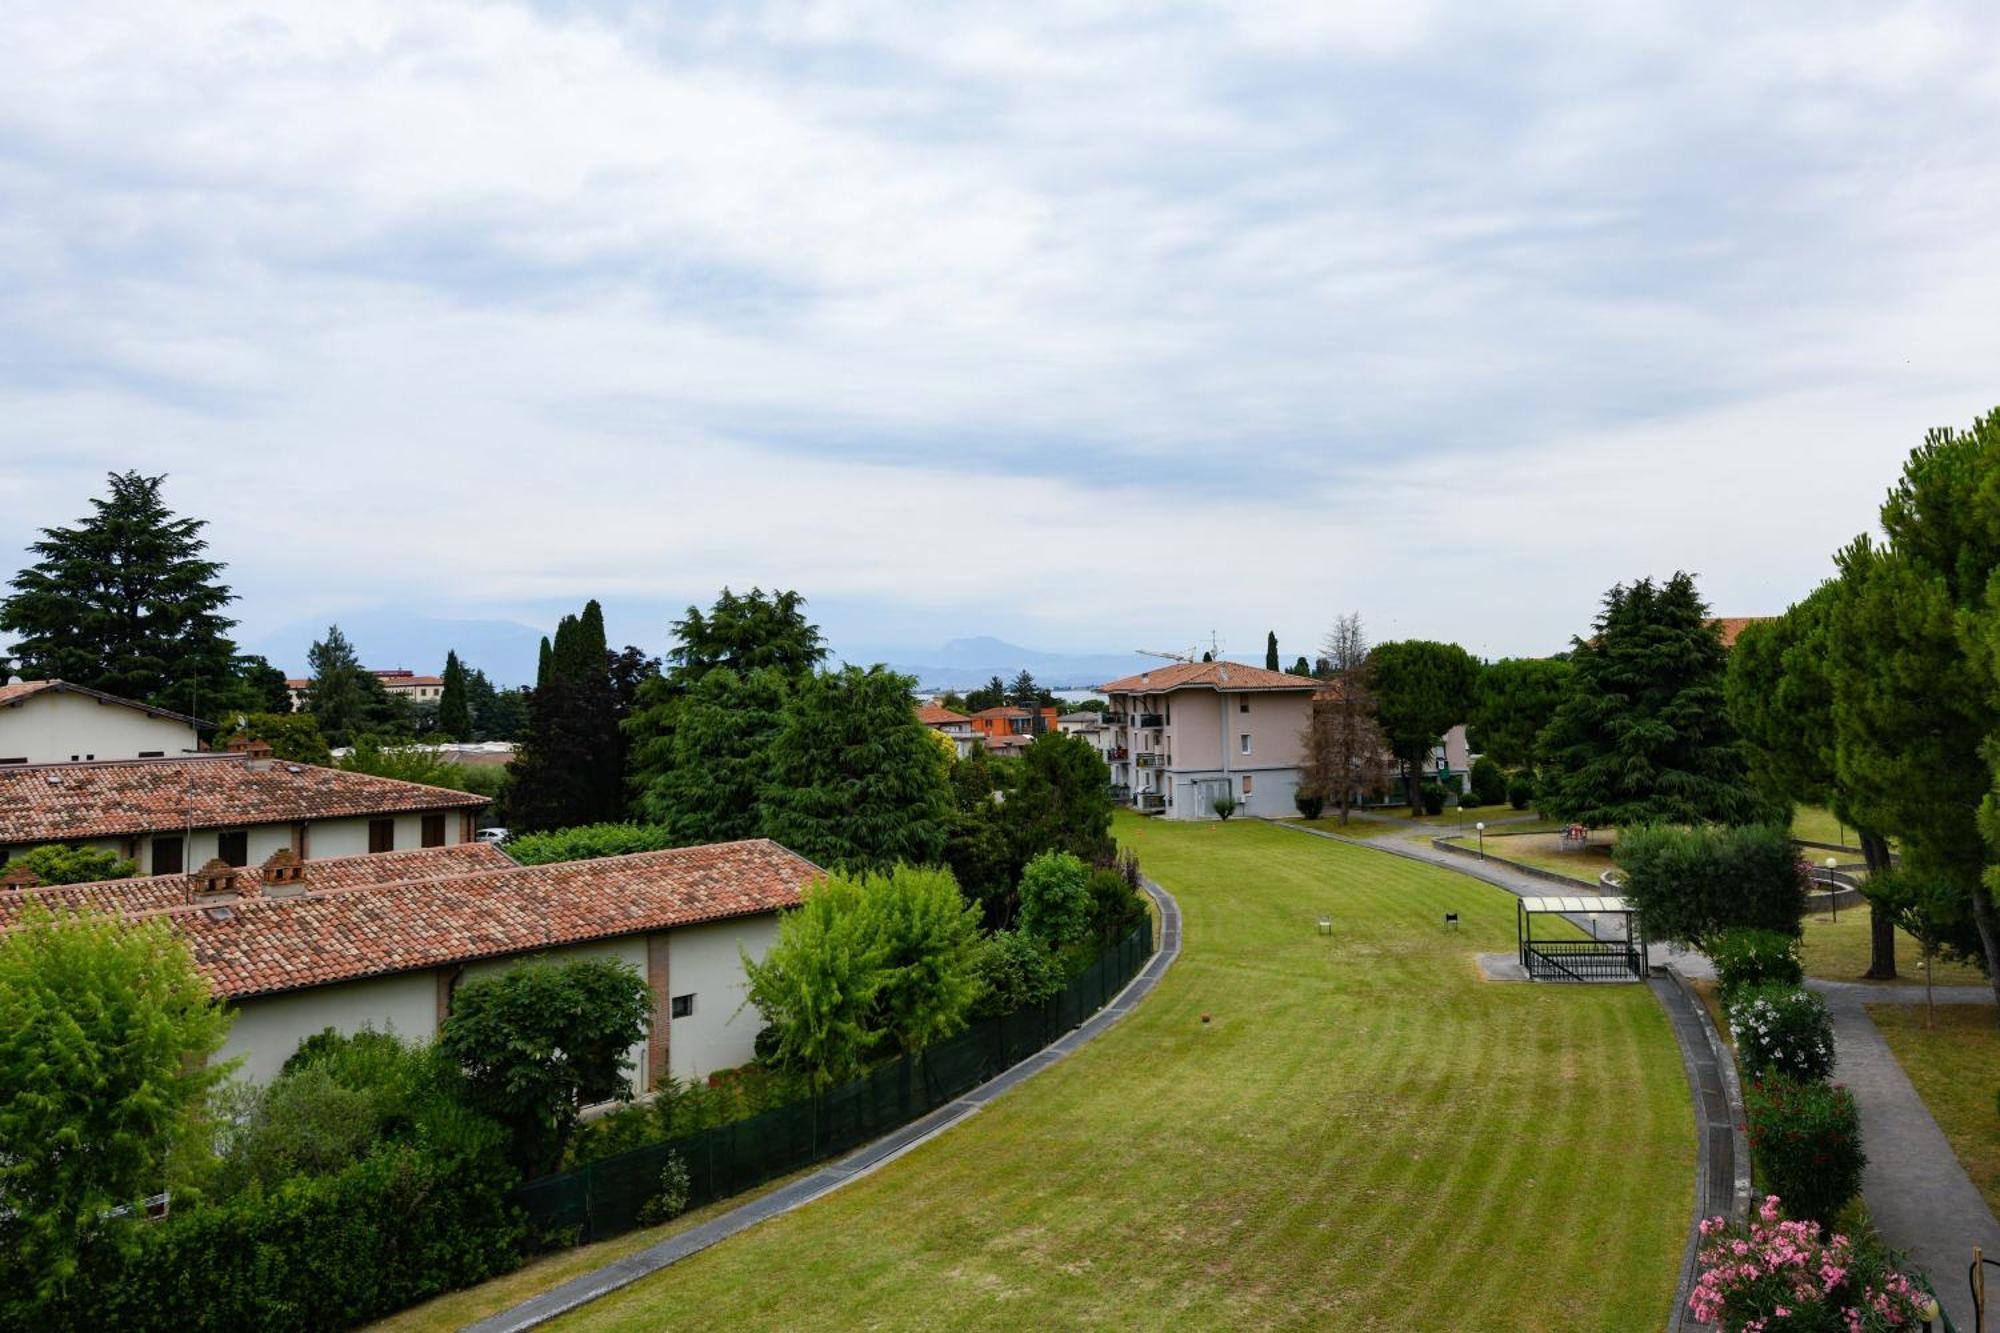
(579, 1291)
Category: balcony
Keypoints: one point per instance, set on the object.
(1152, 721)
(1116, 719)
(1117, 754)
(1150, 800)
(1151, 759)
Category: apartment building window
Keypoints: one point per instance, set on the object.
(1243, 705)
(233, 847)
(683, 1006)
(152, 754)
(433, 830)
(381, 835)
(1249, 784)
(168, 856)
(1243, 743)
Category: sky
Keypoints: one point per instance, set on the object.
(1090, 327)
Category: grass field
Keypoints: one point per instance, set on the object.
(1956, 1069)
(1838, 951)
(1366, 1136)
(1544, 852)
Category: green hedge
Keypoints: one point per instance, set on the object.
(396, 1228)
(588, 841)
(1805, 1139)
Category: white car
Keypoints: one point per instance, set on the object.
(492, 835)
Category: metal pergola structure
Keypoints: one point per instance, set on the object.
(1615, 951)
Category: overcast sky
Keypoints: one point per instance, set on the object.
(1086, 329)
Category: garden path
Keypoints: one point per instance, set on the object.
(1918, 1196)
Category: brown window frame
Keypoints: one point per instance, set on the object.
(433, 831)
(381, 836)
(177, 864)
(222, 840)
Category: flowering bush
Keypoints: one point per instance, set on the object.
(1780, 1029)
(1806, 1141)
(1745, 956)
(1775, 1276)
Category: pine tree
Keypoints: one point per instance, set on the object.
(345, 698)
(1271, 651)
(1642, 735)
(124, 602)
(856, 782)
(1024, 692)
(1422, 689)
(706, 777)
(454, 719)
(1302, 668)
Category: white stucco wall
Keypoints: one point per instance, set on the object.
(703, 961)
(630, 950)
(268, 1030)
(51, 728)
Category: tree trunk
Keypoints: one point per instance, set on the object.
(1413, 778)
(1881, 927)
(1989, 935)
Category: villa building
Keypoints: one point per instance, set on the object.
(53, 722)
(1185, 735)
(953, 724)
(403, 684)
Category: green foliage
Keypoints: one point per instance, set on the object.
(1302, 668)
(541, 1041)
(1062, 800)
(703, 776)
(855, 781)
(1515, 701)
(293, 737)
(1488, 782)
(54, 863)
(746, 634)
(816, 984)
(1422, 689)
(1224, 806)
(672, 1200)
(454, 716)
(1015, 970)
(317, 1253)
(1055, 899)
(1520, 791)
(1783, 1029)
(346, 699)
(569, 765)
(588, 842)
(927, 939)
(124, 602)
(1432, 795)
(106, 1030)
(1025, 693)
(405, 763)
(1805, 1141)
(1115, 904)
(1310, 803)
(1271, 651)
(1745, 956)
(1690, 884)
(304, 1124)
(497, 715)
(1642, 735)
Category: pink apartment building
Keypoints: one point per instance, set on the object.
(1189, 732)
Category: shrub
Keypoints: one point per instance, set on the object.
(1691, 883)
(1805, 1143)
(1309, 802)
(1782, 1274)
(1488, 782)
(587, 842)
(1223, 805)
(1745, 956)
(1115, 906)
(1781, 1029)
(1055, 899)
(54, 863)
(672, 1200)
(1017, 971)
(1432, 796)
(1520, 791)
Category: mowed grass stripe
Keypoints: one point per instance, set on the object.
(1366, 1135)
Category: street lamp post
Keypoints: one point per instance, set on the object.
(1832, 887)
(1481, 826)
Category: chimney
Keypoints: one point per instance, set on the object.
(284, 874)
(216, 879)
(18, 876)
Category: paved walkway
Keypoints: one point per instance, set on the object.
(1918, 1196)
(623, 1272)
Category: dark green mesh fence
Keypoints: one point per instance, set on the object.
(603, 1198)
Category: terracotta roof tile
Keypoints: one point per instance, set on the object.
(263, 945)
(937, 715)
(146, 895)
(66, 802)
(1732, 626)
(1213, 675)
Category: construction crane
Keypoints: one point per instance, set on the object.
(1191, 655)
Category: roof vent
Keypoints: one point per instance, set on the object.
(284, 874)
(55, 779)
(216, 879)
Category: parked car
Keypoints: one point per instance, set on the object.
(492, 835)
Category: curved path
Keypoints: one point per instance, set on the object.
(623, 1272)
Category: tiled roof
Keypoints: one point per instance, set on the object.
(28, 689)
(1003, 710)
(148, 894)
(936, 715)
(65, 802)
(262, 945)
(1213, 675)
(1732, 626)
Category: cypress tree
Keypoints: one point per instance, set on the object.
(454, 707)
(544, 663)
(569, 768)
(1271, 651)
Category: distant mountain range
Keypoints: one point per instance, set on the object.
(966, 663)
(506, 651)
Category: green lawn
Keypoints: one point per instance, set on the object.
(1816, 825)
(1956, 1069)
(1838, 951)
(1544, 851)
(1366, 1136)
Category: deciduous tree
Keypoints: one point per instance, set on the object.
(1422, 689)
(1344, 749)
(704, 779)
